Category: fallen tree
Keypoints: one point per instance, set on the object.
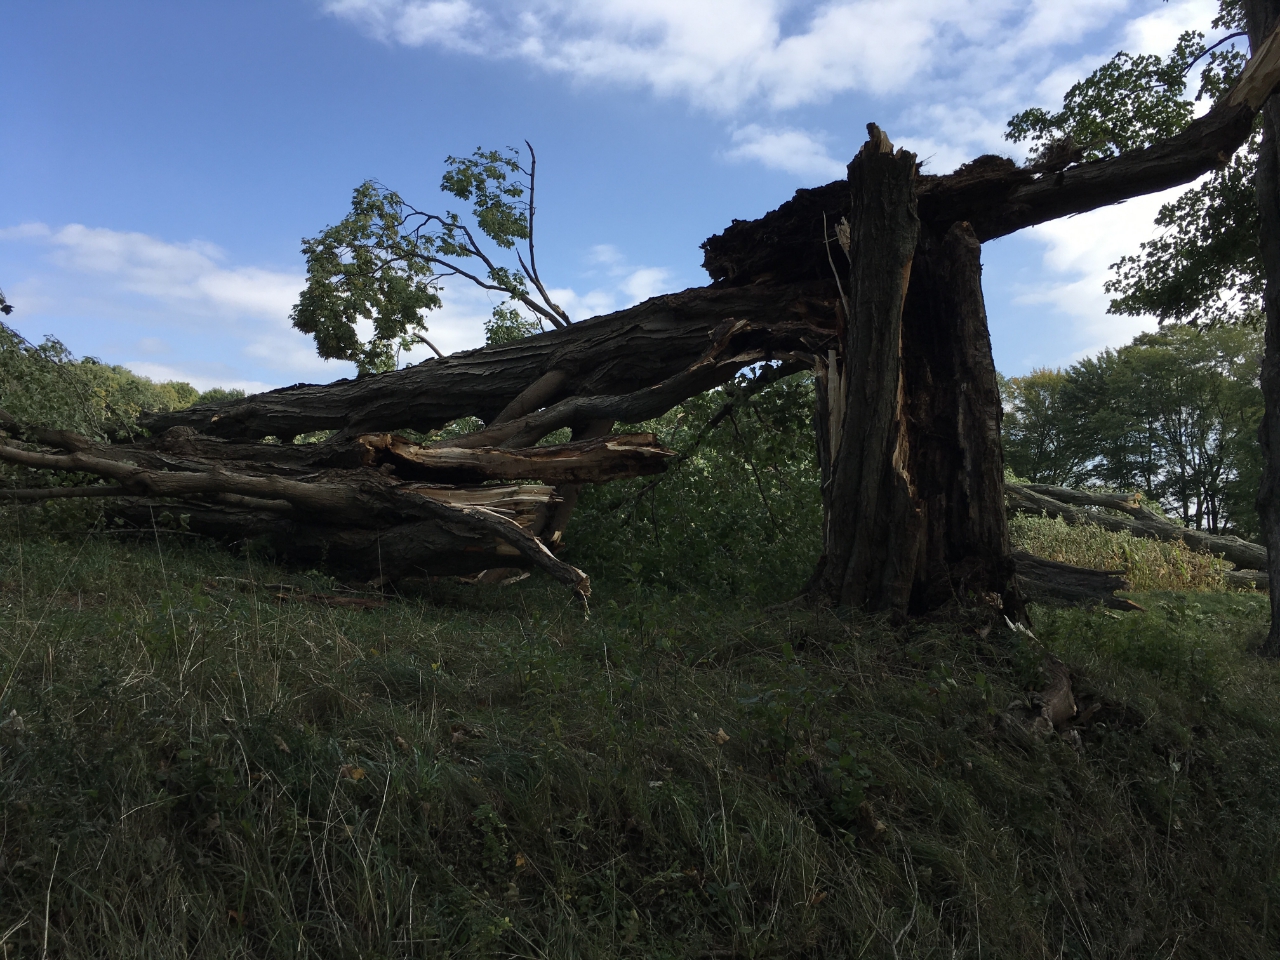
(1051, 501)
(368, 507)
(908, 411)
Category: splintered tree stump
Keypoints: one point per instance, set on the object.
(912, 465)
(874, 519)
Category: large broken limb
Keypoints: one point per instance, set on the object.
(584, 461)
(1048, 501)
(335, 513)
(993, 194)
(614, 355)
(598, 460)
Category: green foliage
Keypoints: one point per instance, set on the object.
(1174, 414)
(1039, 445)
(508, 325)
(1204, 266)
(1127, 103)
(367, 268)
(45, 384)
(1147, 564)
(485, 179)
(738, 513)
(384, 262)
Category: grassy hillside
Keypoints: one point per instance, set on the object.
(203, 755)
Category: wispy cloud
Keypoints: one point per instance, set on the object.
(785, 148)
(724, 54)
(952, 71)
(170, 291)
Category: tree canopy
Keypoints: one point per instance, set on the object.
(1174, 414)
(1204, 265)
(384, 263)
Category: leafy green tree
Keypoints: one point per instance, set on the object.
(1174, 414)
(384, 263)
(46, 384)
(1038, 445)
(1204, 266)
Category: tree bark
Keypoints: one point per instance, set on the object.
(954, 414)
(1262, 17)
(914, 493)
(375, 518)
(1047, 581)
(875, 520)
(617, 355)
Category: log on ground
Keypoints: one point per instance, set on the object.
(1047, 581)
(1047, 501)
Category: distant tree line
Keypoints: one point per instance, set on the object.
(45, 384)
(1173, 414)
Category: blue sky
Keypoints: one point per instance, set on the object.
(161, 161)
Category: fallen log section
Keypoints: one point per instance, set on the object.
(1047, 581)
(378, 506)
(1051, 501)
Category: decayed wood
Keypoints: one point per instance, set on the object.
(912, 464)
(346, 515)
(953, 415)
(597, 460)
(584, 461)
(1048, 581)
(874, 517)
(1248, 579)
(1139, 522)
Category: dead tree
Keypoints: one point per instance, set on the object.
(909, 415)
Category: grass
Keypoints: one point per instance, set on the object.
(1147, 564)
(200, 758)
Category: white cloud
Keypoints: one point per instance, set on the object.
(184, 273)
(724, 54)
(185, 289)
(947, 73)
(1078, 253)
(787, 149)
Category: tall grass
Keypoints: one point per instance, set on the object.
(205, 756)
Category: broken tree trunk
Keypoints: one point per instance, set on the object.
(628, 355)
(913, 478)
(1262, 17)
(1047, 581)
(1049, 501)
(914, 392)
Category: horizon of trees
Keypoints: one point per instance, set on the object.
(1173, 414)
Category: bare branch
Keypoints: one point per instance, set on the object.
(419, 337)
(531, 271)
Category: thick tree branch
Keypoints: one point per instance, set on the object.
(994, 194)
(622, 352)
